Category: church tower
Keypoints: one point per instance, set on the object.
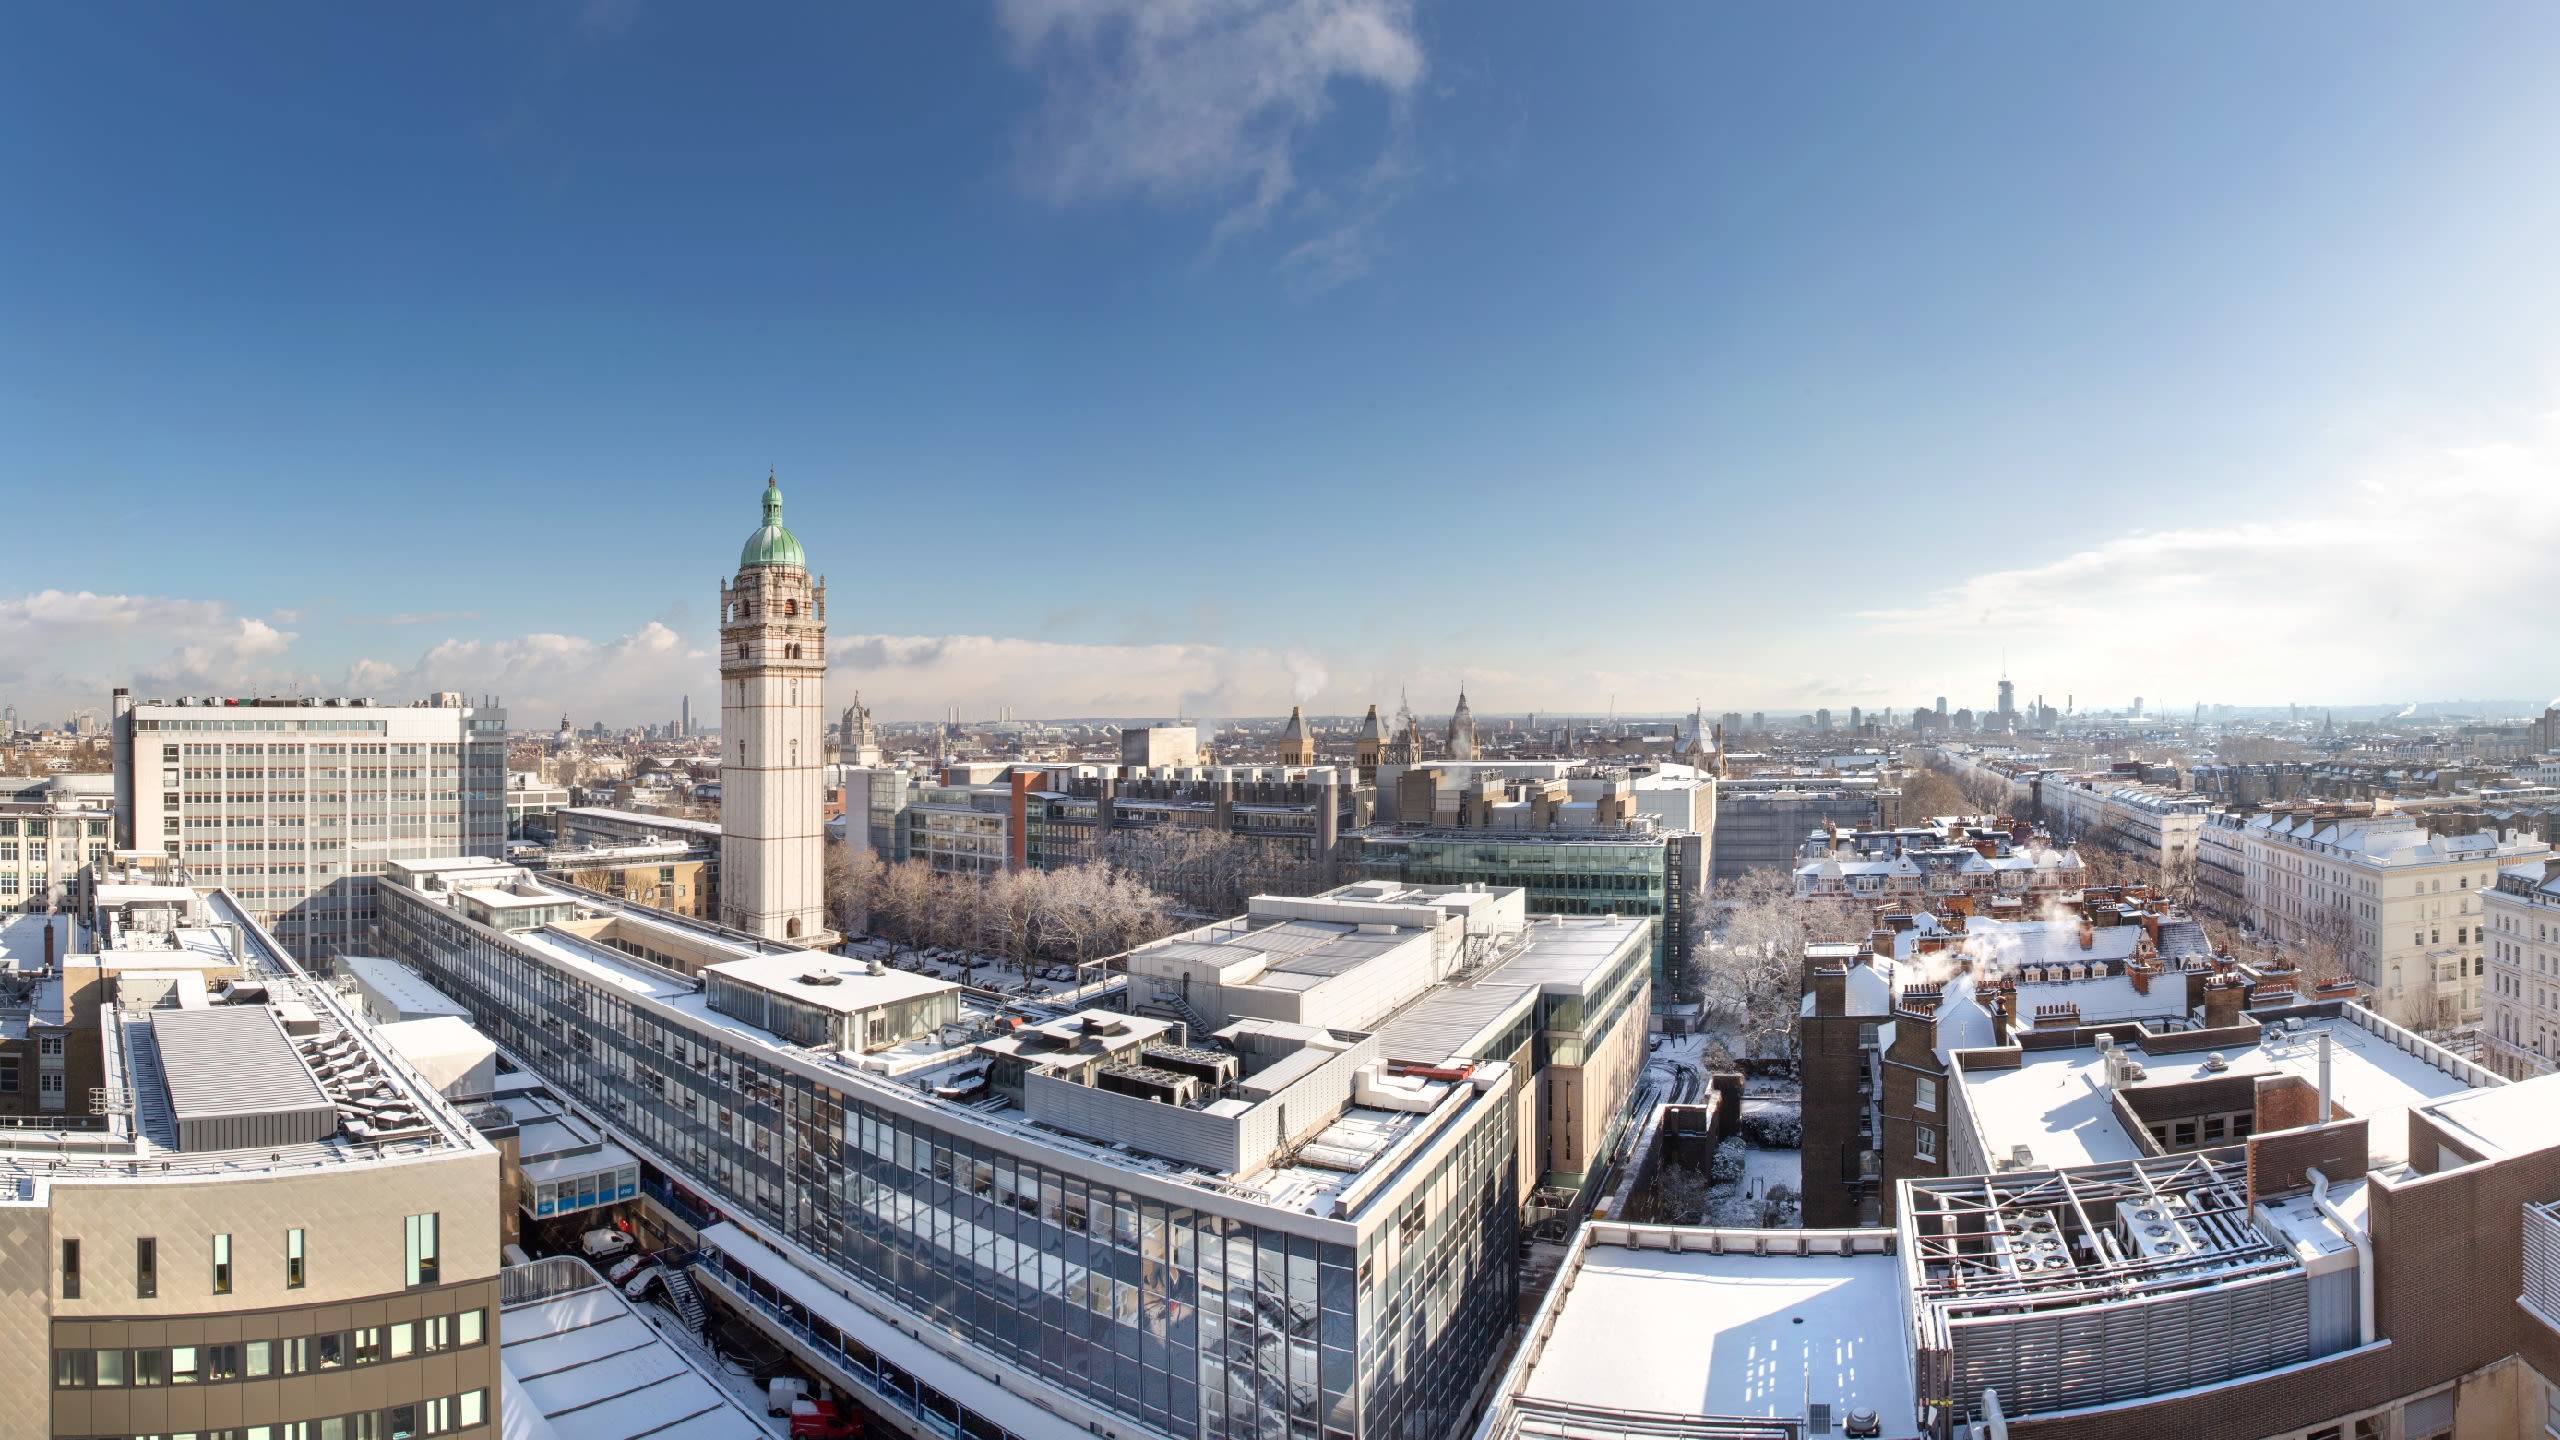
(1460, 741)
(1297, 743)
(773, 666)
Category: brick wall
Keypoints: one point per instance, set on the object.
(1828, 1065)
(2279, 1163)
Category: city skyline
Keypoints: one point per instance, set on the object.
(1552, 300)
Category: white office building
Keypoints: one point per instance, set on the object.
(295, 805)
(2407, 907)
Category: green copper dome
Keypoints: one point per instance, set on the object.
(772, 544)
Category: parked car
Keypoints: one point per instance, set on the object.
(605, 1244)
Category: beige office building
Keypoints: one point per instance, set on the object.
(253, 1222)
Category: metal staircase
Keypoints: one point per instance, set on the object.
(1166, 1005)
(686, 1298)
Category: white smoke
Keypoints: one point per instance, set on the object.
(1306, 675)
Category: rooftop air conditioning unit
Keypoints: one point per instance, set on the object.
(2216, 1062)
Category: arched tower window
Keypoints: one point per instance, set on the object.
(742, 649)
(791, 608)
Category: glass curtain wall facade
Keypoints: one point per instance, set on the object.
(1202, 1325)
(1571, 877)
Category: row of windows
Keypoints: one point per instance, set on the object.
(421, 1236)
(150, 1367)
(443, 1415)
(1196, 1323)
(67, 829)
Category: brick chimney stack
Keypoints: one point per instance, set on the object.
(2222, 996)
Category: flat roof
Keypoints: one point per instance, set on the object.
(400, 985)
(2503, 1120)
(853, 986)
(636, 817)
(1700, 1334)
(232, 1060)
(2056, 1104)
(2056, 1101)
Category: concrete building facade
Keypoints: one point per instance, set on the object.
(2520, 1029)
(2404, 907)
(49, 830)
(295, 805)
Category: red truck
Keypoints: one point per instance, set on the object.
(824, 1420)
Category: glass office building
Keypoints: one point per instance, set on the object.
(1564, 874)
(1280, 1302)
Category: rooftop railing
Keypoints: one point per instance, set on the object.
(543, 1279)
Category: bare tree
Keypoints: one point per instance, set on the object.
(1750, 974)
(854, 881)
(906, 903)
(1929, 792)
(1202, 869)
(2327, 944)
(1010, 903)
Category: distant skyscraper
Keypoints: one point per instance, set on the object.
(2008, 697)
(773, 667)
(684, 716)
(1942, 707)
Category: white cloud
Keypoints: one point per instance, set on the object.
(917, 676)
(1208, 101)
(2422, 577)
(642, 676)
(62, 651)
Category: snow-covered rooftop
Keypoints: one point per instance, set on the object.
(582, 1365)
(2056, 1101)
(1699, 1334)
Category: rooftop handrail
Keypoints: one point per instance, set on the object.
(544, 1278)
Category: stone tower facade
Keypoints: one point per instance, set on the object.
(1297, 742)
(1460, 743)
(773, 667)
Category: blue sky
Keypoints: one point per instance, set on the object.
(1121, 357)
